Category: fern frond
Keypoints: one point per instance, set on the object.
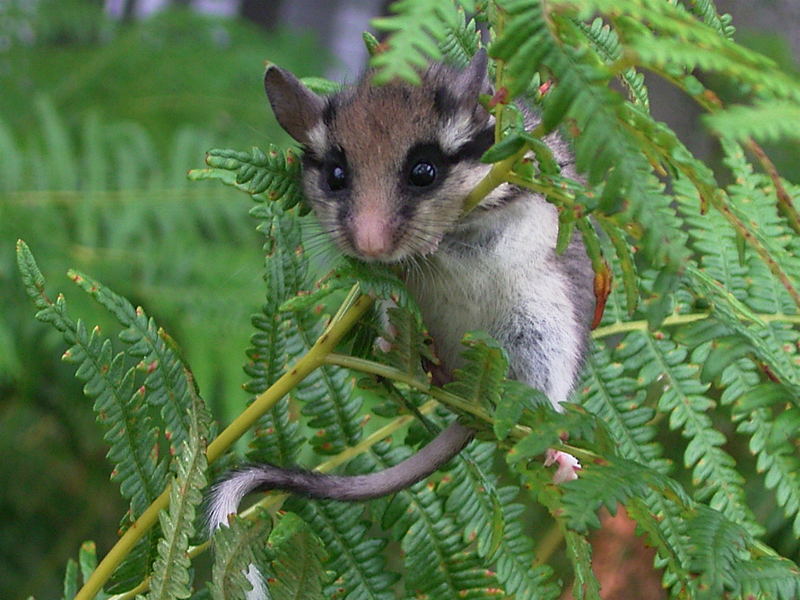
(237, 547)
(687, 42)
(438, 560)
(461, 40)
(619, 401)
(718, 546)
(267, 176)
(478, 520)
(167, 382)
(606, 42)
(416, 31)
(295, 579)
(138, 564)
(769, 577)
(766, 121)
(355, 558)
(776, 457)
(579, 550)
(480, 381)
(407, 344)
(171, 571)
(727, 559)
(326, 396)
(604, 150)
(706, 10)
(276, 435)
(120, 406)
(683, 398)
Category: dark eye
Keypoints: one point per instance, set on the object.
(423, 173)
(337, 178)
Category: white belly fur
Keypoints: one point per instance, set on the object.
(484, 290)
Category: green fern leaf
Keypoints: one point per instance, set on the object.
(461, 40)
(295, 579)
(355, 559)
(437, 560)
(276, 435)
(137, 565)
(70, 580)
(326, 396)
(769, 122)
(708, 12)
(480, 381)
(579, 550)
(236, 548)
(619, 401)
(417, 29)
(119, 405)
(171, 571)
(167, 381)
(476, 515)
(769, 577)
(718, 548)
(268, 176)
(606, 43)
(407, 344)
(684, 400)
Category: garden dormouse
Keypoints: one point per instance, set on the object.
(386, 170)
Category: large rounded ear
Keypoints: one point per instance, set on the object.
(297, 108)
(472, 80)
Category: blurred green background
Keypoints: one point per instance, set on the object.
(104, 106)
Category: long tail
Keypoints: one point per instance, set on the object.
(226, 495)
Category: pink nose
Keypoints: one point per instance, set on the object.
(372, 235)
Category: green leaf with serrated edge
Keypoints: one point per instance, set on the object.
(371, 43)
(267, 176)
(172, 576)
(626, 264)
(417, 31)
(87, 559)
(480, 380)
(508, 146)
(767, 394)
(295, 579)
(579, 551)
(724, 351)
(506, 415)
(407, 344)
(477, 515)
(379, 281)
(320, 85)
(70, 580)
(277, 433)
(120, 406)
(236, 547)
(168, 381)
(355, 558)
(137, 564)
(438, 559)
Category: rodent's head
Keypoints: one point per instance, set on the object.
(386, 168)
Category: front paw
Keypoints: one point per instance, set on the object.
(568, 465)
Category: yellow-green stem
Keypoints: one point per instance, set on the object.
(496, 176)
(307, 364)
(374, 368)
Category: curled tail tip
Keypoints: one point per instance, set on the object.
(226, 494)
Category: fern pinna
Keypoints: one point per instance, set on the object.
(690, 403)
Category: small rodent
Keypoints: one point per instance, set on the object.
(386, 170)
